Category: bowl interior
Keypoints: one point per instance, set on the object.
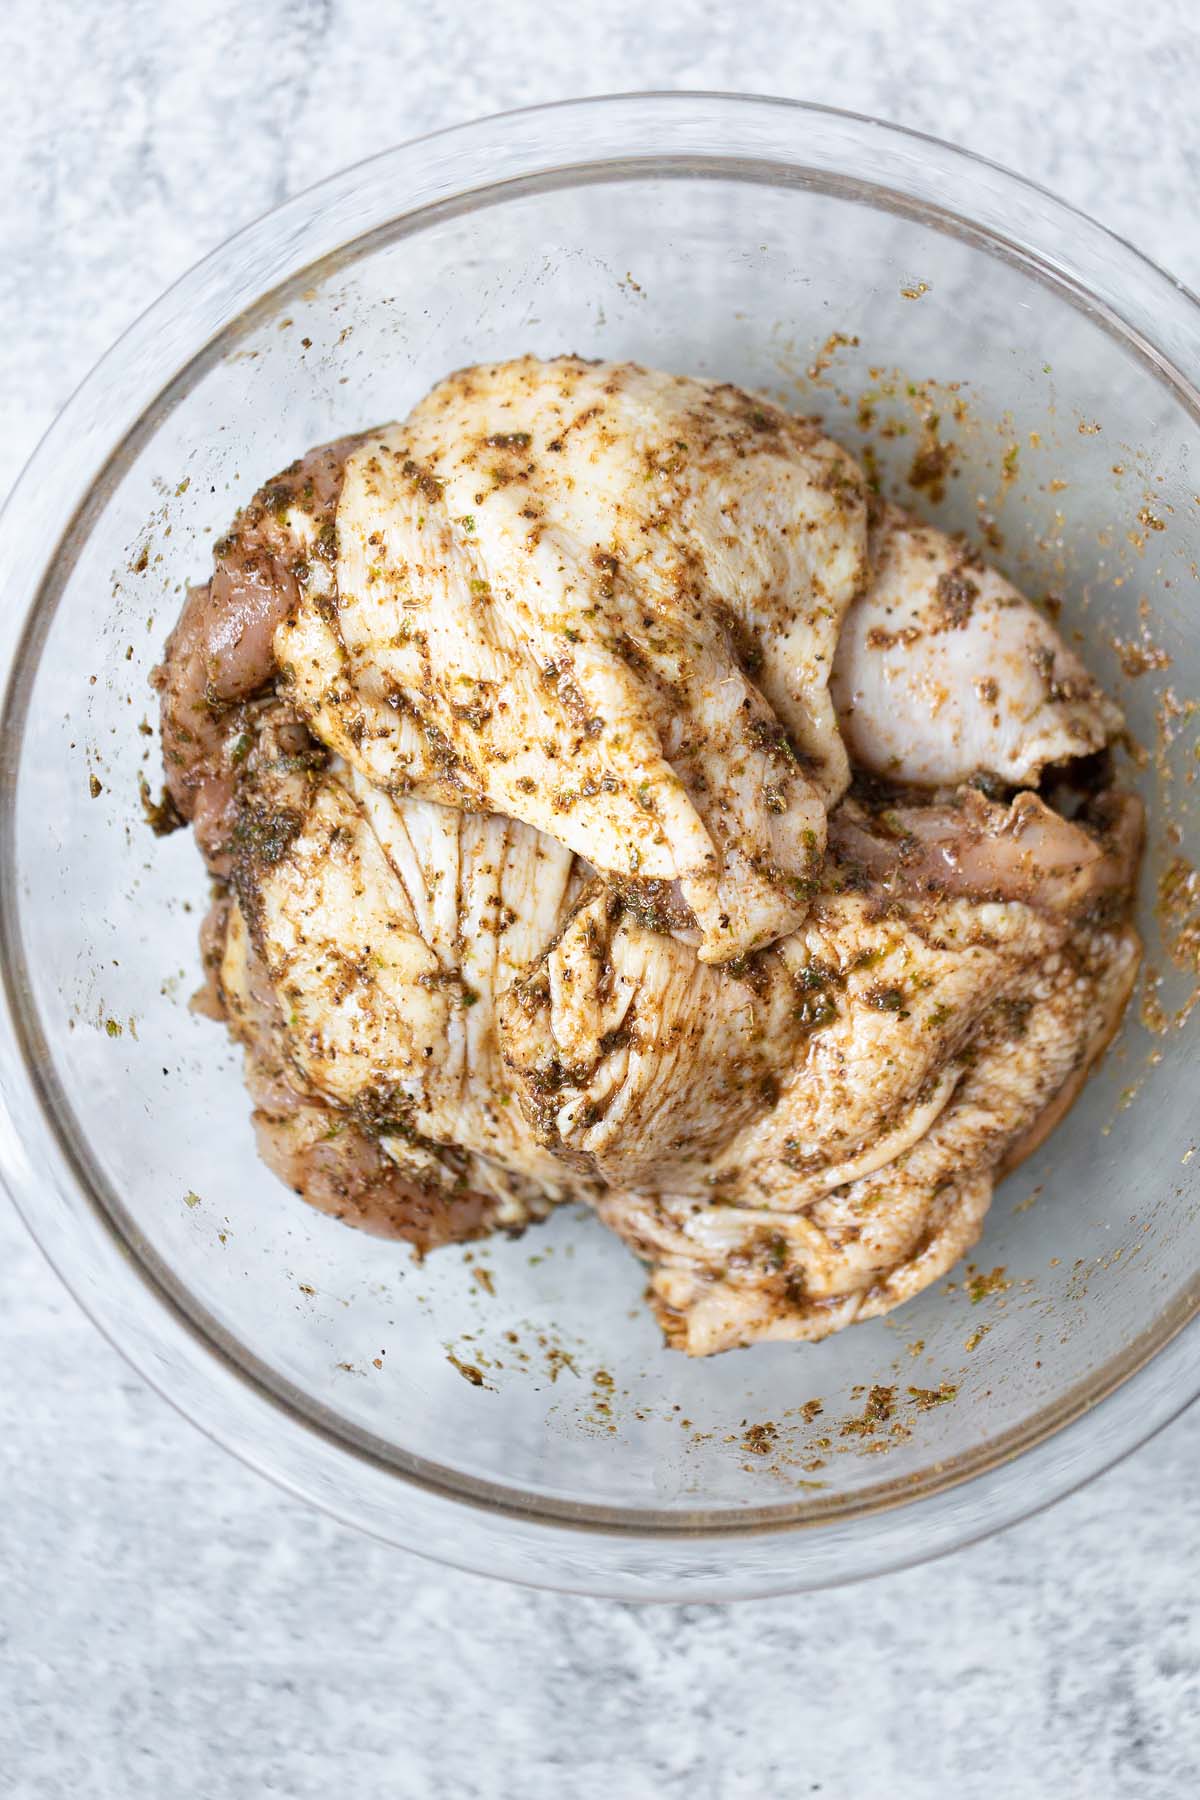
(1069, 451)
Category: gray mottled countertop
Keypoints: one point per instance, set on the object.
(169, 1624)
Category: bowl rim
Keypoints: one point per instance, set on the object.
(466, 1522)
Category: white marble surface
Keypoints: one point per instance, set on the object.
(169, 1625)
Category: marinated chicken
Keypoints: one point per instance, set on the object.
(220, 658)
(359, 958)
(605, 602)
(777, 1080)
(603, 807)
(724, 1277)
(930, 1028)
(944, 671)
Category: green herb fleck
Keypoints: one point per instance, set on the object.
(924, 1398)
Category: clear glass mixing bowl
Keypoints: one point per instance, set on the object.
(857, 271)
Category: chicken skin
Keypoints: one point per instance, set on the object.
(605, 602)
(944, 671)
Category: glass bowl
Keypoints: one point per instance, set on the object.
(854, 270)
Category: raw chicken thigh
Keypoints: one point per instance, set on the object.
(359, 958)
(939, 1028)
(944, 671)
(519, 737)
(220, 658)
(603, 601)
(728, 1277)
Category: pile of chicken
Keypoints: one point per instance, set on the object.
(608, 799)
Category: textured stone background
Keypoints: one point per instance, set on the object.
(170, 1626)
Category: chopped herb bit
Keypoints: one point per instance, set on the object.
(980, 1286)
(924, 1398)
